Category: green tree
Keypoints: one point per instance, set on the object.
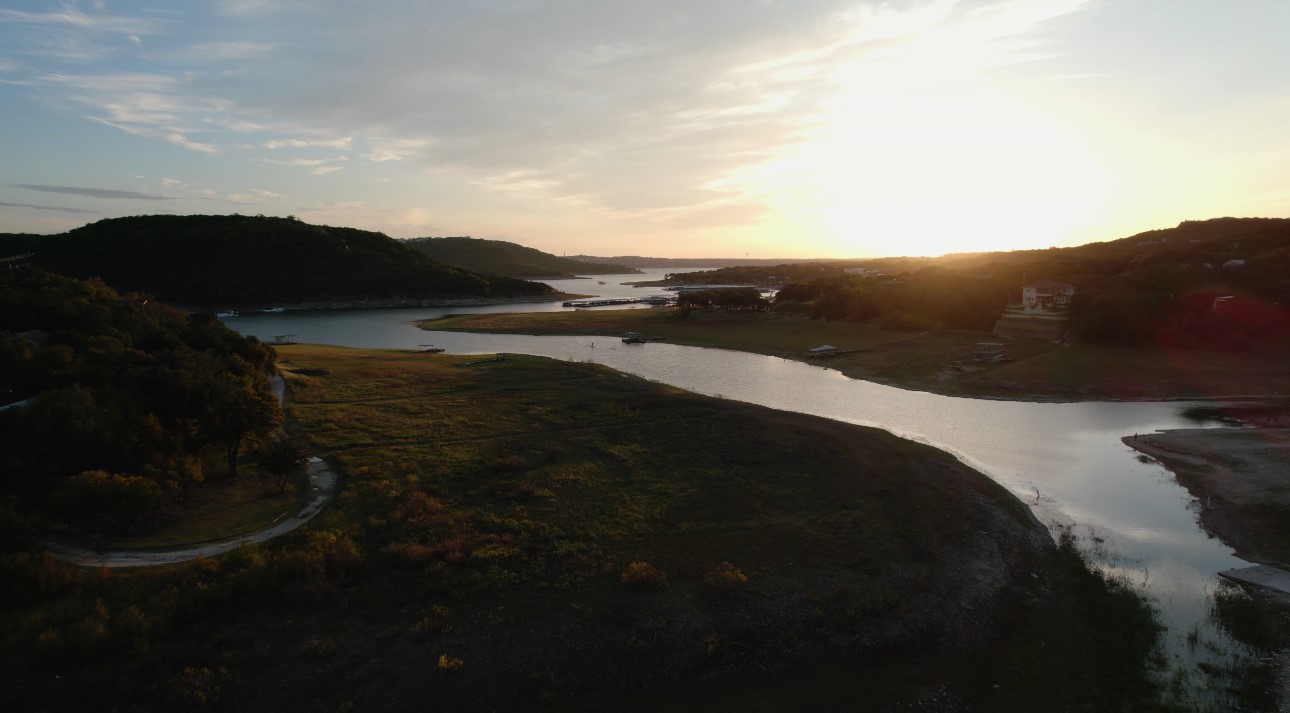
(283, 457)
(240, 409)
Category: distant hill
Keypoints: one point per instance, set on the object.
(242, 260)
(503, 258)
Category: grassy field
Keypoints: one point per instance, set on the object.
(940, 361)
(529, 533)
(217, 510)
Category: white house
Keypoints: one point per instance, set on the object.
(1044, 312)
(1046, 296)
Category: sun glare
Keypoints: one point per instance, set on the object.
(923, 153)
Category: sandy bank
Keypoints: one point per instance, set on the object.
(1241, 480)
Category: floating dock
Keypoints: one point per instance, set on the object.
(653, 300)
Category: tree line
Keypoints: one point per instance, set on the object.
(1223, 283)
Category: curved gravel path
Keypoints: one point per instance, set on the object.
(323, 485)
(322, 488)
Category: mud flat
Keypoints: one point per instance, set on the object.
(1241, 481)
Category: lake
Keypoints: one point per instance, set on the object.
(1065, 460)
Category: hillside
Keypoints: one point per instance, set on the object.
(244, 260)
(503, 258)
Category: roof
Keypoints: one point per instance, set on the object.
(1050, 283)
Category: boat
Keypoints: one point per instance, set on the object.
(230, 313)
(276, 309)
(637, 338)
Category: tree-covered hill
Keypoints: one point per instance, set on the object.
(1161, 286)
(234, 259)
(504, 258)
(119, 401)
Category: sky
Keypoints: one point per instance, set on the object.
(681, 128)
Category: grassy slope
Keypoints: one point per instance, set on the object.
(488, 514)
(1038, 369)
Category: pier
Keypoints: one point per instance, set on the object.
(609, 301)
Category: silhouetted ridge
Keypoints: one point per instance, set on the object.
(211, 259)
(504, 258)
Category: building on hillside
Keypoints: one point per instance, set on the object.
(1046, 296)
(1043, 313)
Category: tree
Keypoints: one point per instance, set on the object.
(240, 408)
(283, 457)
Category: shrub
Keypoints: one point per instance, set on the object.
(644, 574)
(725, 577)
(317, 648)
(450, 664)
(440, 619)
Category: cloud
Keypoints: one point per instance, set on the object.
(47, 207)
(227, 50)
(70, 16)
(649, 111)
(344, 143)
(72, 35)
(105, 193)
(304, 161)
(256, 7)
(181, 140)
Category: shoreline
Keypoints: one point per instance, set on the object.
(335, 305)
(926, 383)
(1238, 478)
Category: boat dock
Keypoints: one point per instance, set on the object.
(609, 301)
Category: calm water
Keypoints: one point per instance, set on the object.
(1065, 460)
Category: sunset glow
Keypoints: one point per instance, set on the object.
(711, 128)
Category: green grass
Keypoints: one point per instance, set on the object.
(218, 510)
(489, 514)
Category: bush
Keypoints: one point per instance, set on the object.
(644, 574)
(450, 664)
(725, 577)
(439, 620)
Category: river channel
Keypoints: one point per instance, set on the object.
(1065, 460)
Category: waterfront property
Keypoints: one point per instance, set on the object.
(1043, 313)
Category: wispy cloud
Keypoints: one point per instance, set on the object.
(304, 161)
(344, 144)
(228, 50)
(70, 16)
(105, 193)
(56, 209)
